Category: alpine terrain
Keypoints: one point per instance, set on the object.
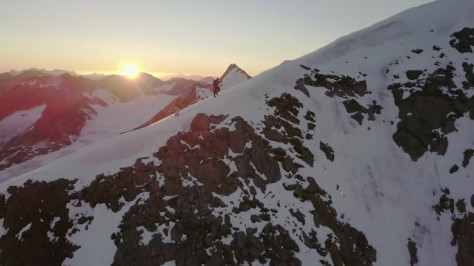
(46, 115)
(357, 154)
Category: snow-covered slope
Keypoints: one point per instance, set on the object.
(80, 111)
(44, 117)
(356, 154)
(197, 91)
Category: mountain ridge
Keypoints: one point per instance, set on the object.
(76, 98)
(344, 158)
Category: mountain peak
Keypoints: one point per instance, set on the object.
(234, 68)
(233, 76)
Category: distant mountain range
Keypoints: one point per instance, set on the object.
(57, 112)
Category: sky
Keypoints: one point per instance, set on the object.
(165, 37)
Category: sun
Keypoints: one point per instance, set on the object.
(130, 71)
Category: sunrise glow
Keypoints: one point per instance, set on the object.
(131, 71)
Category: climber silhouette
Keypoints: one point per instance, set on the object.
(216, 86)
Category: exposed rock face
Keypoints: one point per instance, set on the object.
(467, 157)
(285, 119)
(428, 112)
(413, 252)
(343, 87)
(462, 227)
(184, 212)
(413, 74)
(468, 70)
(196, 226)
(337, 85)
(328, 151)
(352, 246)
(463, 40)
(463, 237)
(36, 220)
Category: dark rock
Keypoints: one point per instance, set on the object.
(274, 135)
(352, 247)
(213, 173)
(357, 110)
(417, 51)
(289, 165)
(340, 86)
(37, 205)
(255, 219)
(344, 87)
(310, 116)
(264, 163)
(287, 107)
(237, 141)
(328, 151)
(468, 70)
(463, 237)
(413, 74)
(445, 204)
(301, 87)
(454, 169)
(467, 157)
(109, 190)
(298, 215)
(413, 252)
(461, 206)
(463, 40)
(305, 67)
(217, 119)
(426, 110)
(200, 122)
(304, 153)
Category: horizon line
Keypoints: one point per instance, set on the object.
(160, 75)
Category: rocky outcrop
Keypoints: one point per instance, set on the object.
(347, 246)
(344, 87)
(462, 227)
(429, 111)
(336, 85)
(413, 74)
(181, 204)
(328, 151)
(412, 250)
(463, 40)
(467, 157)
(36, 222)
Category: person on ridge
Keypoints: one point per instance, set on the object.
(216, 86)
